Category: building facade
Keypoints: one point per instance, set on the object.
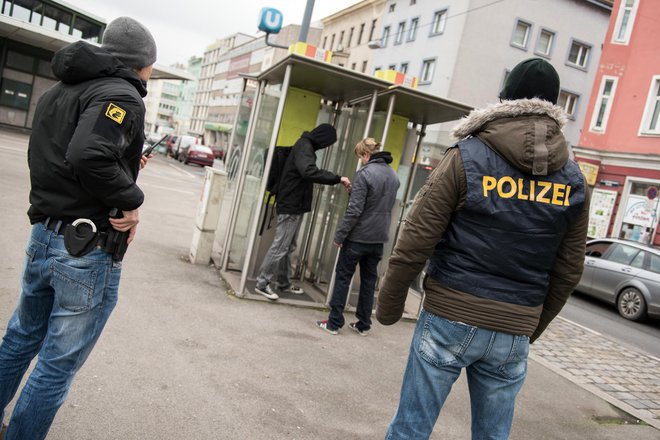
(619, 149)
(184, 105)
(36, 29)
(347, 34)
(464, 49)
(218, 94)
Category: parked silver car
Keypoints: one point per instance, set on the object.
(623, 273)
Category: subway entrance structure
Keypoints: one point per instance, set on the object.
(276, 106)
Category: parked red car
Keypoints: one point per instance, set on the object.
(196, 153)
(218, 152)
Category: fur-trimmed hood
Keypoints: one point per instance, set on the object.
(514, 130)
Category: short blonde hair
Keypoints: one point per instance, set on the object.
(366, 146)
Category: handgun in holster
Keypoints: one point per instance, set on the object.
(117, 242)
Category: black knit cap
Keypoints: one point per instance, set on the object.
(532, 78)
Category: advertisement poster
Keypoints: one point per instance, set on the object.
(600, 213)
(640, 211)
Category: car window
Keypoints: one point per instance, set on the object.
(654, 263)
(622, 254)
(597, 250)
(638, 261)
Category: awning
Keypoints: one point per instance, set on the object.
(217, 126)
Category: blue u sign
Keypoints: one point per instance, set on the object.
(270, 20)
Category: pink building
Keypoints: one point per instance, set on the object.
(619, 148)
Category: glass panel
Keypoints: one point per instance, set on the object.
(44, 69)
(20, 61)
(598, 249)
(331, 200)
(439, 20)
(623, 254)
(15, 94)
(545, 41)
(638, 261)
(255, 166)
(86, 30)
(520, 34)
(574, 53)
(654, 263)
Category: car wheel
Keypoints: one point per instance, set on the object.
(631, 304)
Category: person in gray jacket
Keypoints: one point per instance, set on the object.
(361, 234)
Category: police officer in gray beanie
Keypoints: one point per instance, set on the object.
(84, 155)
(502, 221)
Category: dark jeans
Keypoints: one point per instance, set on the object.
(351, 254)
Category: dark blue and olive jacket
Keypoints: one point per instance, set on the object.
(502, 221)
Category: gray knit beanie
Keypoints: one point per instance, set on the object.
(131, 42)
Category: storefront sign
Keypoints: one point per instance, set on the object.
(638, 212)
(600, 212)
(590, 172)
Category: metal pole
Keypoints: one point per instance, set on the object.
(252, 236)
(226, 248)
(307, 18)
(386, 129)
(370, 116)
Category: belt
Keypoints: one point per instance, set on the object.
(59, 226)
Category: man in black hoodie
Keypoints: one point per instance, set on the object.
(294, 198)
(84, 156)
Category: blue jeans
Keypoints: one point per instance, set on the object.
(496, 367)
(63, 307)
(367, 255)
(277, 261)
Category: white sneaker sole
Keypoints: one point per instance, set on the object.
(272, 297)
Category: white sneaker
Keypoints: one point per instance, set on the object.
(293, 289)
(268, 292)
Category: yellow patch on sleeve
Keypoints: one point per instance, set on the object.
(115, 113)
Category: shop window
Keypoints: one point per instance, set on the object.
(603, 104)
(15, 94)
(624, 21)
(651, 117)
(20, 61)
(578, 55)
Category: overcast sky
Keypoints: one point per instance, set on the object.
(184, 28)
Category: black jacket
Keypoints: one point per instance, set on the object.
(300, 174)
(87, 138)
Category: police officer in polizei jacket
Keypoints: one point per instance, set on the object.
(502, 221)
(84, 156)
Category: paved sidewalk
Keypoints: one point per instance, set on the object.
(625, 378)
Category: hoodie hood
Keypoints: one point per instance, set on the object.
(322, 136)
(525, 132)
(384, 156)
(81, 61)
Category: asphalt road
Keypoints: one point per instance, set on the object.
(605, 319)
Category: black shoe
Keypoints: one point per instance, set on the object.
(353, 326)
